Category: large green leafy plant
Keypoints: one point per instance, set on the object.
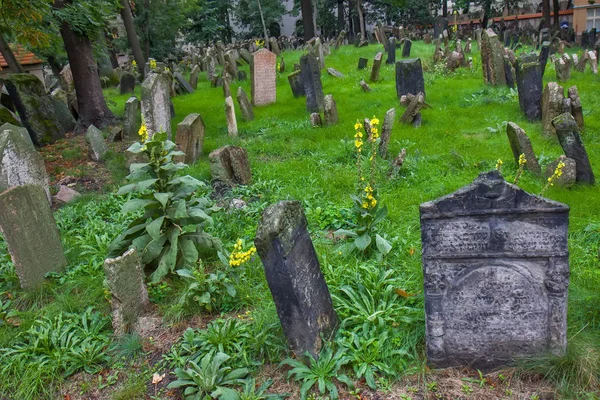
(170, 233)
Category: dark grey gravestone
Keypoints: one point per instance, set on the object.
(310, 74)
(297, 285)
(132, 119)
(567, 131)
(245, 106)
(183, 83)
(544, 54)
(296, 84)
(127, 83)
(409, 77)
(496, 273)
(406, 48)
(28, 226)
(520, 144)
(391, 50)
(362, 63)
(508, 73)
(376, 67)
(529, 87)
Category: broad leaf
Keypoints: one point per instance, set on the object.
(135, 204)
(383, 245)
(362, 242)
(153, 228)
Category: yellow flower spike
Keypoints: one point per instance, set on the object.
(374, 121)
(522, 159)
(357, 125)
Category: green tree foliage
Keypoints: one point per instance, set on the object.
(27, 21)
(248, 15)
(209, 21)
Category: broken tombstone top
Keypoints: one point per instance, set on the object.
(496, 273)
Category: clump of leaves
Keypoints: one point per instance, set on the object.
(320, 372)
(205, 290)
(251, 391)
(170, 233)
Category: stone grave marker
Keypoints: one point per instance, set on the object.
(335, 73)
(316, 120)
(230, 165)
(127, 83)
(156, 100)
(263, 71)
(95, 139)
(568, 177)
(362, 63)
(520, 144)
(330, 113)
(576, 108)
(409, 77)
(386, 132)
(230, 117)
(296, 84)
(194, 77)
(245, 106)
(132, 119)
(295, 279)
(529, 87)
(492, 59)
(570, 140)
(552, 104)
(310, 74)
(183, 84)
(376, 67)
(365, 86)
(496, 273)
(19, 129)
(391, 50)
(406, 48)
(544, 53)
(190, 138)
(29, 229)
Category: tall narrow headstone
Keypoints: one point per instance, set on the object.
(376, 67)
(409, 77)
(570, 140)
(295, 279)
(29, 229)
(406, 48)
(492, 59)
(245, 106)
(96, 142)
(544, 54)
(310, 73)
(194, 77)
(496, 274)
(190, 137)
(264, 77)
(386, 132)
(576, 108)
(330, 113)
(391, 51)
(552, 104)
(529, 87)
(296, 84)
(230, 117)
(132, 119)
(520, 144)
(156, 100)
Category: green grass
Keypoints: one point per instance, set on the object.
(462, 135)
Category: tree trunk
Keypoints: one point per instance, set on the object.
(314, 16)
(361, 19)
(112, 54)
(92, 106)
(307, 19)
(147, 29)
(445, 8)
(262, 20)
(545, 14)
(341, 21)
(9, 57)
(56, 68)
(556, 7)
(132, 37)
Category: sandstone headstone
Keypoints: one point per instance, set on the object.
(492, 59)
(230, 165)
(335, 73)
(127, 83)
(331, 113)
(552, 103)
(194, 77)
(386, 132)
(95, 139)
(310, 74)
(296, 84)
(156, 100)
(593, 61)
(230, 117)
(496, 273)
(570, 140)
(376, 67)
(563, 69)
(362, 63)
(568, 175)
(129, 297)
(274, 46)
(190, 138)
(520, 144)
(132, 119)
(576, 108)
(529, 87)
(409, 77)
(245, 106)
(264, 77)
(365, 86)
(295, 279)
(316, 120)
(29, 229)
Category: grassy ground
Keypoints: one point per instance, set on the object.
(462, 135)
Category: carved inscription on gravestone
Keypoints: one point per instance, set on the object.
(264, 77)
(496, 272)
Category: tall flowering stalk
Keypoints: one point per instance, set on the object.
(522, 162)
(557, 174)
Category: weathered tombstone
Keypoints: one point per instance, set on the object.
(576, 108)
(544, 53)
(391, 50)
(427, 38)
(194, 77)
(230, 165)
(29, 229)
(263, 77)
(274, 46)
(20, 163)
(61, 110)
(330, 113)
(563, 69)
(362, 63)
(190, 138)
(529, 87)
(226, 87)
(66, 78)
(468, 46)
(365, 86)
(376, 67)
(508, 73)
(7, 116)
(406, 48)
(492, 59)
(230, 117)
(127, 83)
(132, 119)
(386, 132)
(319, 53)
(593, 61)
(570, 140)
(295, 279)
(156, 100)
(409, 77)
(65, 195)
(552, 103)
(310, 74)
(520, 144)
(95, 139)
(335, 73)
(568, 176)
(496, 273)
(35, 108)
(129, 297)
(296, 84)
(316, 120)
(245, 106)
(183, 83)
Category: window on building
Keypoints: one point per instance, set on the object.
(593, 19)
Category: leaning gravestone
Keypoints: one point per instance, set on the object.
(529, 87)
(496, 273)
(552, 104)
(129, 297)
(310, 74)
(29, 229)
(156, 100)
(230, 165)
(7, 116)
(376, 67)
(127, 83)
(409, 77)
(190, 138)
(95, 139)
(570, 140)
(263, 78)
(296, 84)
(132, 119)
(20, 163)
(194, 77)
(245, 106)
(183, 84)
(295, 279)
(492, 59)
(35, 108)
(520, 144)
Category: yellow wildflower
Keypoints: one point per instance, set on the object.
(357, 125)
(134, 64)
(499, 164)
(237, 256)
(143, 132)
(522, 160)
(374, 120)
(153, 64)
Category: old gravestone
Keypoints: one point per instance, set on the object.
(376, 67)
(409, 77)
(529, 87)
(129, 297)
(296, 84)
(496, 273)
(568, 176)
(232, 128)
(406, 48)
(132, 119)
(391, 50)
(156, 100)
(28, 226)
(552, 104)
(20, 163)
(386, 132)
(35, 108)
(95, 139)
(190, 138)
(362, 63)
(576, 108)
(492, 59)
(310, 74)
(263, 77)
(245, 106)
(194, 77)
(520, 144)
(297, 285)
(330, 113)
(230, 165)
(127, 83)
(567, 131)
